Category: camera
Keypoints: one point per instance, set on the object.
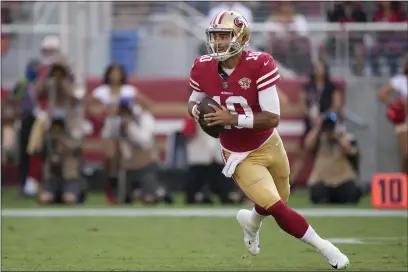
(329, 122)
(125, 107)
(57, 126)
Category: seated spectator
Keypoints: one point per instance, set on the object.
(335, 171)
(205, 169)
(390, 44)
(347, 12)
(398, 109)
(289, 42)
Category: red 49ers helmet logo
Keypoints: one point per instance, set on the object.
(240, 22)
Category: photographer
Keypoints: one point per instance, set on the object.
(133, 150)
(335, 172)
(56, 89)
(63, 152)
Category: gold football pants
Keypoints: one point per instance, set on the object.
(264, 175)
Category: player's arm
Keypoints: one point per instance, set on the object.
(385, 94)
(312, 137)
(268, 97)
(336, 102)
(270, 105)
(344, 143)
(197, 94)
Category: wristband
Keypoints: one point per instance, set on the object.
(246, 121)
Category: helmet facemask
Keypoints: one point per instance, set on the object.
(234, 45)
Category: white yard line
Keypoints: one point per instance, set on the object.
(88, 212)
(367, 240)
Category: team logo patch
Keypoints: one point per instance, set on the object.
(240, 22)
(225, 84)
(245, 83)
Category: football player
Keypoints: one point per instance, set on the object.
(244, 84)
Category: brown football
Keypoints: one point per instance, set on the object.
(203, 108)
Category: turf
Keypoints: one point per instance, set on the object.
(96, 200)
(188, 243)
(206, 244)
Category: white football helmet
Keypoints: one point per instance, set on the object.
(235, 34)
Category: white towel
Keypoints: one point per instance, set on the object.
(233, 161)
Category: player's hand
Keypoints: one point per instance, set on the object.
(220, 117)
(195, 112)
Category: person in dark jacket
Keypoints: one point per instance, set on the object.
(318, 97)
(25, 98)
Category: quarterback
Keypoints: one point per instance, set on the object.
(244, 84)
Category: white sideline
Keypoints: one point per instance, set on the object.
(127, 212)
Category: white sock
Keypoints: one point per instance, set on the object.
(257, 218)
(312, 238)
(31, 186)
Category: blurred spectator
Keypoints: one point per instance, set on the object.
(318, 97)
(335, 171)
(5, 19)
(289, 42)
(56, 96)
(205, 168)
(115, 87)
(8, 133)
(62, 183)
(56, 89)
(389, 11)
(239, 7)
(138, 172)
(390, 44)
(25, 97)
(347, 12)
(51, 54)
(132, 149)
(398, 109)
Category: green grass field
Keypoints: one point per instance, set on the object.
(187, 242)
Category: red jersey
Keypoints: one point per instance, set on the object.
(255, 72)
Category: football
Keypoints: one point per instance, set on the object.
(203, 108)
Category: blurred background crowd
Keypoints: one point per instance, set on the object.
(94, 97)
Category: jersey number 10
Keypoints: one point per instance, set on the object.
(230, 104)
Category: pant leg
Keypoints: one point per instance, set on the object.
(319, 193)
(221, 185)
(346, 193)
(195, 182)
(279, 167)
(26, 125)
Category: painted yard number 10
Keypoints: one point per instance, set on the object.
(389, 191)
